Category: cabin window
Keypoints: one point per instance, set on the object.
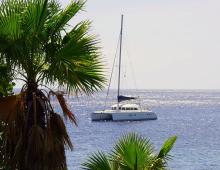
(129, 108)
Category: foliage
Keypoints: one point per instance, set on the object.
(6, 84)
(34, 39)
(132, 152)
(42, 49)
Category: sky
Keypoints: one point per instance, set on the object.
(171, 44)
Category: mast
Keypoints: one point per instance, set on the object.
(119, 68)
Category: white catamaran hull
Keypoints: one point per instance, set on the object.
(123, 115)
(141, 115)
(99, 116)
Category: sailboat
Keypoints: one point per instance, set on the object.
(123, 111)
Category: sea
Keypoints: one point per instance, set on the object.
(192, 115)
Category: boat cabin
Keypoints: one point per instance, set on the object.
(125, 107)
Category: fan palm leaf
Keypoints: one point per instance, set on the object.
(60, 20)
(161, 160)
(76, 61)
(131, 152)
(98, 161)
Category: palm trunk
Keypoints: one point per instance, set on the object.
(35, 104)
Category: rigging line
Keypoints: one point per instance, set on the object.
(112, 72)
(131, 65)
(145, 106)
(133, 74)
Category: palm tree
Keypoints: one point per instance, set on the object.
(42, 49)
(132, 152)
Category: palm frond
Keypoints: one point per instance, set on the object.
(59, 131)
(33, 42)
(97, 161)
(66, 111)
(161, 160)
(62, 18)
(10, 21)
(54, 148)
(10, 26)
(34, 18)
(35, 148)
(167, 146)
(77, 62)
(133, 151)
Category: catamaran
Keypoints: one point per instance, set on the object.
(125, 109)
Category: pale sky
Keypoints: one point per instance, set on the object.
(172, 44)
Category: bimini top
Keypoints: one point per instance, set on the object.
(130, 106)
(124, 98)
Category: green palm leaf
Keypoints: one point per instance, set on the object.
(76, 61)
(34, 18)
(97, 161)
(60, 20)
(133, 151)
(32, 39)
(167, 146)
(161, 160)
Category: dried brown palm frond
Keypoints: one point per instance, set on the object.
(56, 138)
(9, 107)
(15, 126)
(14, 140)
(49, 142)
(32, 146)
(59, 131)
(13, 133)
(35, 148)
(65, 108)
(18, 160)
(55, 158)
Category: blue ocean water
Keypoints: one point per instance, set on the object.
(192, 115)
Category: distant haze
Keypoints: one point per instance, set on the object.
(172, 44)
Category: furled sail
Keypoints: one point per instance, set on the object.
(123, 98)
